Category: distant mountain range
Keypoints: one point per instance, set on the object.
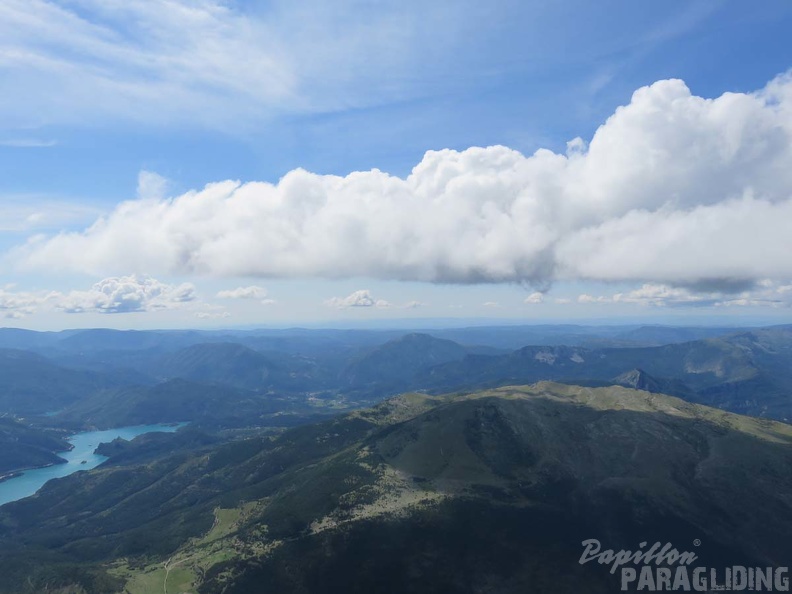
(181, 400)
(394, 364)
(749, 372)
(103, 345)
(392, 461)
(33, 384)
(490, 491)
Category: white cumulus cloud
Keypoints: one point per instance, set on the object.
(361, 298)
(210, 315)
(127, 294)
(535, 297)
(110, 295)
(151, 186)
(18, 304)
(673, 189)
(765, 293)
(251, 292)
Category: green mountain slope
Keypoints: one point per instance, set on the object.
(492, 491)
(25, 447)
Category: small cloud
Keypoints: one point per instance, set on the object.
(151, 186)
(766, 293)
(491, 304)
(536, 297)
(576, 146)
(28, 143)
(584, 298)
(18, 304)
(413, 305)
(127, 294)
(659, 295)
(206, 315)
(361, 298)
(252, 292)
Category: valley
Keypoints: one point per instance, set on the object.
(292, 463)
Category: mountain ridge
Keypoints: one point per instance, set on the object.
(614, 463)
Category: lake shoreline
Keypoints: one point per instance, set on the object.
(10, 475)
(20, 471)
(80, 456)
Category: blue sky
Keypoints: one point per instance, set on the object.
(105, 102)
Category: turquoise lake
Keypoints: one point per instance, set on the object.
(84, 445)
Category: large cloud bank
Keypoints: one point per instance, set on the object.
(672, 188)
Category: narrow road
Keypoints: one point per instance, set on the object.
(168, 567)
